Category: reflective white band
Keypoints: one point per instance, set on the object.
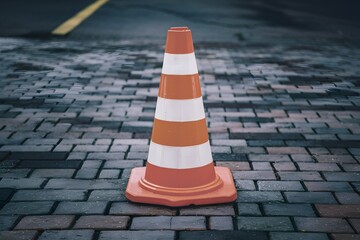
(179, 110)
(179, 64)
(180, 157)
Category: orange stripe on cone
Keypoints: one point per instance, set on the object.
(179, 86)
(168, 177)
(179, 133)
(179, 41)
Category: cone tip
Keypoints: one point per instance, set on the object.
(179, 29)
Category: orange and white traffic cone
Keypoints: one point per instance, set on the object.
(180, 169)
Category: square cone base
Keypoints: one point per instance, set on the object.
(227, 193)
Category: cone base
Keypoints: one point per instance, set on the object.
(227, 193)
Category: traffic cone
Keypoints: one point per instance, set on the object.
(180, 169)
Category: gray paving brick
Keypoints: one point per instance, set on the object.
(21, 183)
(137, 235)
(284, 209)
(280, 186)
(67, 234)
(221, 223)
(225, 234)
(93, 207)
(45, 222)
(328, 186)
(310, 197)
(151, 223)
(125, 208)
(264, 196)
(6, 222)
(213, 210)
(299, 176)
(107, 195)
(323, 225)
(298, 236)
(49, 195)
(25, 208)
(81, 184)
(18, 235)
(264, 223)
(250, 209)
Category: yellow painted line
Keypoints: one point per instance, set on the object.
(75, 21)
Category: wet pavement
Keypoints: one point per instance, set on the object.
(281, 94)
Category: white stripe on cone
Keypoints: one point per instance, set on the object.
(180, 157)
(176, 110)
(179, 64)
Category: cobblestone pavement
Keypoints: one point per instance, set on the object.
(75, 118)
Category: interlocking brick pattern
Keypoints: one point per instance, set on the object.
(75, 118)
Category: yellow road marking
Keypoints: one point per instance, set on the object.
(73, 22)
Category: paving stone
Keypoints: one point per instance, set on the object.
(102, 222)
(338, 211)
(342, 236)
(264, 224)
(221, 223)
(151, 223)
(234, 166)
(286, 150)
(269, 158)
(109, 173)
(21, 183)
(67, 234)
(49, 195)
(18, 235)
(123, 164)
(300, 176)
(45, 222)
(53, 173)
(340, 176)
(336, 158)
(328, 186)
(93, 207)
(136, 235)
(318, 167)
(309, 224)
(212, 210)
(261, 166)
(249, 209)
(37, 164)
(5, 193)
(285, 209)
(348, 197)
(226, 234)
(6, 222)
(14, 173)
(285, 166)
(25, 208)
(302, 158)
(125, 208)
(245, 185)
(280, 186)
(297, 236)
(81, 184)
(86, 173)
(254, 175)
(355, 222)
(107, 195)
(106, 156)
(46, 155)
(188, 223)
(310, 197)
(253, 196)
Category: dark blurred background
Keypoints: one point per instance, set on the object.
(224, 21)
